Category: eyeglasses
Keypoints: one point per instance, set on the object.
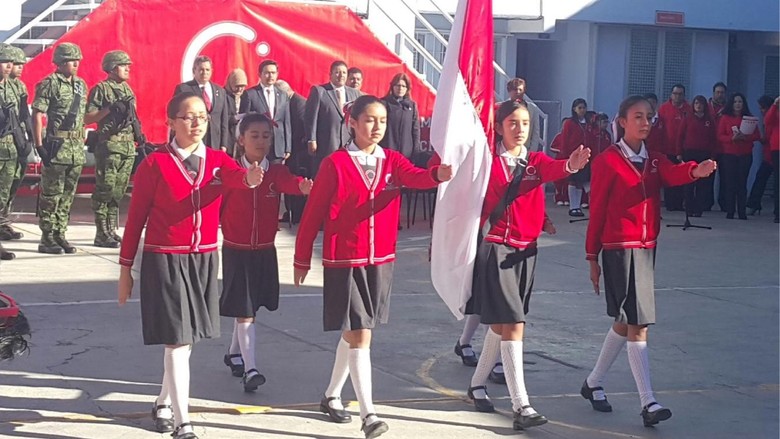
(190, 120)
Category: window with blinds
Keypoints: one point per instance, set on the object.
(772, 75)
(659, 59)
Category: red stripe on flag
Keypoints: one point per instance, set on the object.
(476, 60)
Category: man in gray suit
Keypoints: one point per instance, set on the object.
(218, 135)
(324, 115)
(269, 99)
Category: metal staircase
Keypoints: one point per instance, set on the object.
(47, 26)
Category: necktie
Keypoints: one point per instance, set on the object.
(270, 103)
(192, 165)
(206, 99)
(340, 95)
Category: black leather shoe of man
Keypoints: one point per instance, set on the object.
(483, 405)
(339, 416)
(522, 422)
(162, 425)
(651, 418)
(376, 429)
(600, 405)
(468, 360)
(62, 242)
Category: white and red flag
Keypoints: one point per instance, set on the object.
(462, 134)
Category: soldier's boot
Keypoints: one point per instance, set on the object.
(6, 255)
(7, 233)
(113, 224)
(62, 242)
(48, 245)
(103, 237)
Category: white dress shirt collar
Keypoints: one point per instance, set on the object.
(631, 155)
(199, 151)
(264, 164)
(354, 151)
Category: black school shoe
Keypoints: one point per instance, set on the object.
(176, 434)
(600, 405)
(468, 360)
(236, 369)
(376, 429)
(483, 405)
(339, 416)
(251, 383)
(162, 425)
(497, 377)
(651, 418)
(522, 422)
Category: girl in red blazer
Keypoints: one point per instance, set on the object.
(356, 199)
(250, 270)
(697, 143)
(177, 196)
(625, 217)
(574, 134)
(506, 258)
(737, 149)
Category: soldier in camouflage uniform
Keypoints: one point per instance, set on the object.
(62, 97)
(20, 59)
(111, 104)
(8, 156)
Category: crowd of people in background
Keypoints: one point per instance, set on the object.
(688, 131)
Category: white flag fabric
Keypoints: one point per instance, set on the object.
(461, 133)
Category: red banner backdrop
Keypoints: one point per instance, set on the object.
(163, 36)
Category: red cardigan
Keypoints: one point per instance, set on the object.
(250, 218)
(673, 118)
(728, 146)
(360, 219)
(625, 206)
(522, 222)
(598, 141)
(181, 214)
(697, 133)
(772, 127)
(572, 136)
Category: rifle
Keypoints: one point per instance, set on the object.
(10, 123)
(51, 146)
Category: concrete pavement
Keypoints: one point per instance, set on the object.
(714, 350)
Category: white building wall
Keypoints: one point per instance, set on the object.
(609, 85)
(710, 62)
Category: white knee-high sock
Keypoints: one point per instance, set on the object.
(613, 344)
(165, 393)
(339, 374)
(177, 365)
(235, 348)
(512, 357)
(360, 373)
(575, 197)
(246, 340)
(491, 351)
(640, 368)
(470, 325)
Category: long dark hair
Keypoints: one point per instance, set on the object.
(398, 78)
(574, 105)
(703, 101)
(623, 111)
(729, 108)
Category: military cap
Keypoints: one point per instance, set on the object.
(19, 56)
(6, 52)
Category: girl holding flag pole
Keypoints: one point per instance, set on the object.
(512, 220)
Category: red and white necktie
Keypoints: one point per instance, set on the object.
(206, 99)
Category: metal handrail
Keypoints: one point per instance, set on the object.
(420, 49)
(35, 21)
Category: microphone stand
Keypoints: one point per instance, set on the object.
(687, 224)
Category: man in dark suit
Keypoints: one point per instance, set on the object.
(268, 99)
(324, 117)
(215, 97)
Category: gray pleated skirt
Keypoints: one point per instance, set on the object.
(356, 297)
(179, 297)
(628, 285)
(502, 284)
(250, 279)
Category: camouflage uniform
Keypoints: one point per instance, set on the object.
(8, 99)
(114, 153)
(53, 96)
(21, 167)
